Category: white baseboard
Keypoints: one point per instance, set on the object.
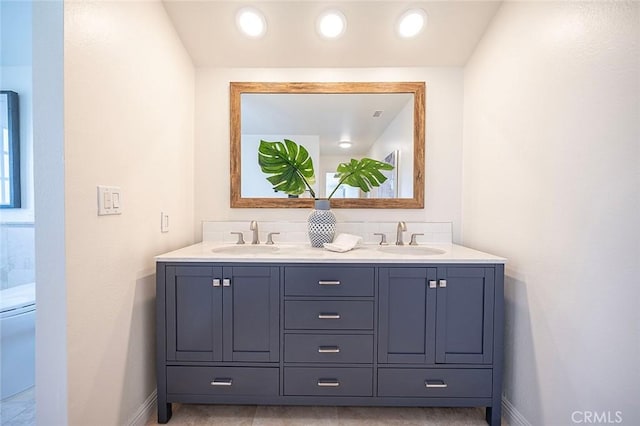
(143, 414)
(512, 415)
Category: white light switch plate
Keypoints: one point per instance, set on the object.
(109, 200)
(164, 222)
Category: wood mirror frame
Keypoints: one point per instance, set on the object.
(418, 90)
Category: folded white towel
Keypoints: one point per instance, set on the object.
(343, 242)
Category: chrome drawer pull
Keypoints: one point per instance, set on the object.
(328, 383)
(329, 282)
(432, 284)
(222, 382)
(328, 349)
(435, 384)
(443, 283)
(328, 316)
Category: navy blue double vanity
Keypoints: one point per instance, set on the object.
(302, 326)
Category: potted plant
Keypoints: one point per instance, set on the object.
(290, 170)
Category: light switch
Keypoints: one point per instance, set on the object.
(109, 200)
(164, 222)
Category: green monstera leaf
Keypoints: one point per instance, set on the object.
(289, 165)
(364, 173)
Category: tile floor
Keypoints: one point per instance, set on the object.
(227, 415)
(19, 410)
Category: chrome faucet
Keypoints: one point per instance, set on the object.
(401, 228)
(254, 227)
(270, 237)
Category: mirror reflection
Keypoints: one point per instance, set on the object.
(334, 128)
(10, 158)
(335, 122)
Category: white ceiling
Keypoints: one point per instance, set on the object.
(207, 29)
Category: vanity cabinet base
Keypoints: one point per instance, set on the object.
(339, 335)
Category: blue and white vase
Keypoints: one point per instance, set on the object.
(321, 224)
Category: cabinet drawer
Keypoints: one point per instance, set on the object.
(328, 281)
(328, 315)
(222, 380)
(328, 381)
(345, 348)
(469, 383)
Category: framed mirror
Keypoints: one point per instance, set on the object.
(383, 121)
(10, 161)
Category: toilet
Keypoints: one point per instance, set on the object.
(17, 339)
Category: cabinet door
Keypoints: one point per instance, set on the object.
(407, 314)
(465, 315)
(251, 313)
(194, 313)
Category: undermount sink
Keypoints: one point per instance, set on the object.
(411, 250)
(245, 249)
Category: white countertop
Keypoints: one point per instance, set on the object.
(304, 253)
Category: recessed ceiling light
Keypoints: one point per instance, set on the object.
(331, 24)
(251, 22)
(411, 23)
(344, 144)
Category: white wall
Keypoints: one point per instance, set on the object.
(129, 111)
(49, 195)
(443, 186)
(552, 182)
(398, 136)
